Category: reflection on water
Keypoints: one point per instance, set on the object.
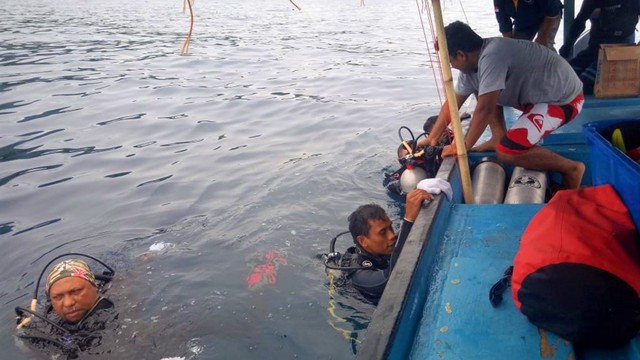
(186, 172)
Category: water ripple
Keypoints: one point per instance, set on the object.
(263, 138)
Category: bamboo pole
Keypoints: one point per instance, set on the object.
(443, 51)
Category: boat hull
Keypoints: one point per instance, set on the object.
(436, 304)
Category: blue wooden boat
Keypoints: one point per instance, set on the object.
(436, 303)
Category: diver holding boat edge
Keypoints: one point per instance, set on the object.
(368, 264)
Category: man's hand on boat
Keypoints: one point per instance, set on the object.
(414, 201)
(450, 150)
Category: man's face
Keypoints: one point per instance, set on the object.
(462, 62)
(381, 238)
(72, 297)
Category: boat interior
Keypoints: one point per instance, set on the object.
(436, 304)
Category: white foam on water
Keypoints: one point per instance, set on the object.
(160, 246)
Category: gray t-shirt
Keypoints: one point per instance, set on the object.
(527, 73)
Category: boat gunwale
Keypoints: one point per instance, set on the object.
(394, 304)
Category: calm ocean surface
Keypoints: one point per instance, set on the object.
(192, 173)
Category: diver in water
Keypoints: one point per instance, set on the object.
(76, 312)
(429, 160)
(369, 263)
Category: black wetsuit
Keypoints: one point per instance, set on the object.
(67, 338)
(371, 281)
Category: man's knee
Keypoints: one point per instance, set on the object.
(508, 147)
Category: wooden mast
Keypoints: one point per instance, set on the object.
(443, 51)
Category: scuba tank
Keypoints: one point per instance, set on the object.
(488, 182)
(418, 163)
(410, 177)
(526, 187)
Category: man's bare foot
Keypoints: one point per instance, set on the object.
(486, 146)
(572, 180)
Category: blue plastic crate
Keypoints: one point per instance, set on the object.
(611, 166)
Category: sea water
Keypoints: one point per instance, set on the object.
(211, 181)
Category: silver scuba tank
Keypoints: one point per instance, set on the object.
(410, 178)
(488, 182)
(526, 187)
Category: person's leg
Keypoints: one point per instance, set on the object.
(585, 64)
(584, 59)
(518, 148)
(588, 78)
(541, 159)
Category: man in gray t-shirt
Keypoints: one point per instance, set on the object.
(521, 74)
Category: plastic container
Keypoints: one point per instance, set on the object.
(611, 166)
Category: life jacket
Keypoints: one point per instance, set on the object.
(577, 272)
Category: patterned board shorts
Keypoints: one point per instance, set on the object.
(536, 122)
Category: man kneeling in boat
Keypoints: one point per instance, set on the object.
(377, 247)
(520, 74)
(76, 313)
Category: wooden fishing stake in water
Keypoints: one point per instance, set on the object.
(296, 5)
(185, 46)
(443, 50)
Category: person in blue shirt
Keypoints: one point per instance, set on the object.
(529, 19)
(612, 22)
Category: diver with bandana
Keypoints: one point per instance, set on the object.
(76, 311)
(368, 264)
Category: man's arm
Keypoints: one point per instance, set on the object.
(483, 115)
(545, 29)
(443, 121)
(414, 202)
(498, 130)
(505, 25)
(577, 27)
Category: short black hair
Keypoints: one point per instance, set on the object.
(428, 125)
(460, 37)
(359, 219)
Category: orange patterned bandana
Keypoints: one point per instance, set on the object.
(72, 267)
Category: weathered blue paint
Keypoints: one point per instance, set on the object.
(436, 303)
(458, 321)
